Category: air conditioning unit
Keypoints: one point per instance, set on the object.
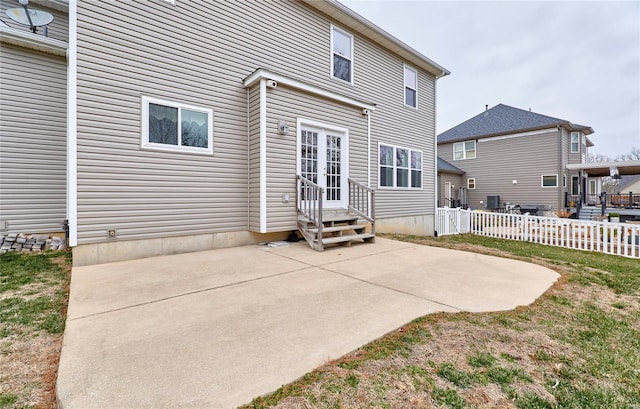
(493, 202)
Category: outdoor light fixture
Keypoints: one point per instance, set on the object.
(515, 182)
(283, 128)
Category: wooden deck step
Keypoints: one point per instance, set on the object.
(349, 238)
(337, 218)
(331, 229)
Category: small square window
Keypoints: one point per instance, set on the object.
(174, 126)
(471, 183)
(550, 181)
(410, 87)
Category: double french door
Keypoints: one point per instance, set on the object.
(322, 158)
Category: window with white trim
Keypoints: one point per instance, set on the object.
(174, 126)
(575, 142)
(410, 87)
(471, 183)
(464, 150)
(341, 55)
(399, 167)
(549, 181)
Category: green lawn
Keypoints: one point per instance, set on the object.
(578, 346)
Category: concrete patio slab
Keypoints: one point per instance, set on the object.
(215, 329)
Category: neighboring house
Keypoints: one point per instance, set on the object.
(628, 183)
(189, 121)
(518, 155)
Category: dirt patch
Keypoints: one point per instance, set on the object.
(29, 356)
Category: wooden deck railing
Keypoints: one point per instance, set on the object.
(362, 201)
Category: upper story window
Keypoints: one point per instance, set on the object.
(399, 167)
(174, 126)
(341, 55)
(464, 150)
(410, 87)
(575, 142)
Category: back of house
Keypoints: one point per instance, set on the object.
(191, 119)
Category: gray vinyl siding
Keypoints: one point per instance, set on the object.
(198, 53)
(289, 105)
(32, 140)
(456, 180)
(499, 162)
(58, 29)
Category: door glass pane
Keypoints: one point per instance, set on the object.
(309, 155)
(333, 167)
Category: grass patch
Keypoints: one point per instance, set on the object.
(448, 397)
(457, 377)
(33, 300)
(481, 359)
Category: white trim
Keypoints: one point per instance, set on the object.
(436, 183)
(322, 128)
(516, 135)
(542, 181)
(405, 67)
(144, 117)
(352, 59)
(35, 41)
(369, 149)
(72, 125)
(263, 155)
(60, 5)
(261, 74)
(395, 187)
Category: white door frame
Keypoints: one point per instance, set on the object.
(323, 129)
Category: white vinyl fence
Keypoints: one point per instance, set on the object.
(621, 239)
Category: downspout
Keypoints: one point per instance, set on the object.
(561, 171)
(248, 161)
(72, 125)
(369, 149)
(263, 155)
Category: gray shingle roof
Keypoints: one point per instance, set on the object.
(444, 166)
(626, 180)
(503, 119)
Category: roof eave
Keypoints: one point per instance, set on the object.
(356, 22)
(490, 135)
